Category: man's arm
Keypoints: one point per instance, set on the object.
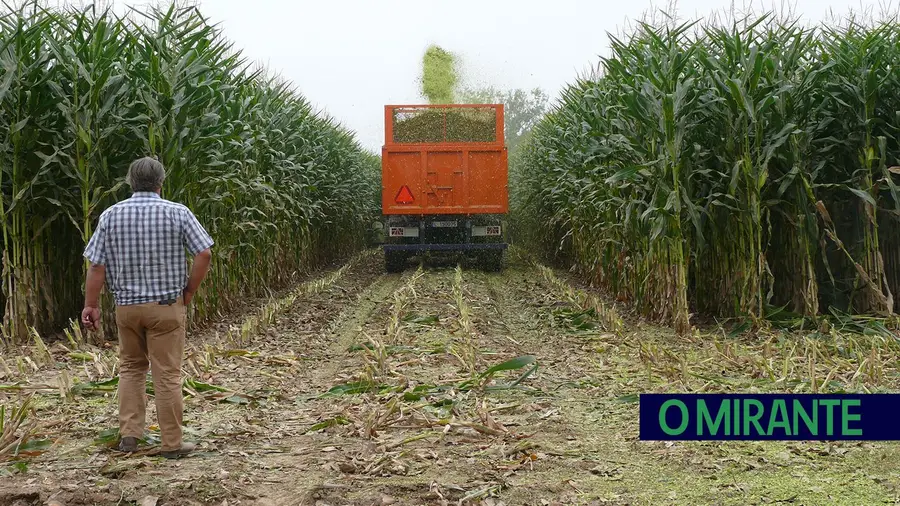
(90, 315)
(95, 253)
(198, 242)
(199, 269)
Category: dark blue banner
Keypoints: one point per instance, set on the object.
(780, 417)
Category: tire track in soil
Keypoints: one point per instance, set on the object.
(409, 472)
(509, 315)
(563, 430)
(309, 457)
(348, 447)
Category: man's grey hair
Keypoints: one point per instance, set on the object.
(145, 175)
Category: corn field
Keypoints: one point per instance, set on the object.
(728, 169)
(83, 92)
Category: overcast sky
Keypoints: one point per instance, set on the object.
(353, 57)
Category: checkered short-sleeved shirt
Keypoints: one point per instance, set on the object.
(142, 241)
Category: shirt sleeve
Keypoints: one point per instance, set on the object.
(195, 237)
(95, 251)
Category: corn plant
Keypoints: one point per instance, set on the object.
(15, 427)
(83, 92)
(732, 168)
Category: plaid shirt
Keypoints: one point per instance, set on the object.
(141, 241)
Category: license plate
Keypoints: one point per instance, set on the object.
(443, 224)
(481, 231)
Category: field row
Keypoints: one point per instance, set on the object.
(443, 385)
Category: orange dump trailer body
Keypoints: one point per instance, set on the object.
(444, 173)
(444, 180)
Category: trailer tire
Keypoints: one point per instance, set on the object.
(394, 261)
(493, 261)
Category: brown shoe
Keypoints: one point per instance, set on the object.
(128, 444)
(186, 448)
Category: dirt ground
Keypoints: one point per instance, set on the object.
(370, 389)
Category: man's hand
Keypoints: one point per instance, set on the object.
(186, 297)
(90, 315)
(90, 318)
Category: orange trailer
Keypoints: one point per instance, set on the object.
(444, 181)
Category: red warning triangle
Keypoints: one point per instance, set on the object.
(404, 196)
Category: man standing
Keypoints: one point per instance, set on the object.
(139, 249)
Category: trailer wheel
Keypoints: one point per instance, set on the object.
(394, 261)
(493, 261)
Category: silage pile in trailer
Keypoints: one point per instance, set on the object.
(468, 124)
(82, 93)
(729, 170)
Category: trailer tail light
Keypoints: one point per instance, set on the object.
(404, 196)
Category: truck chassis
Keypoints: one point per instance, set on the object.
(480, 236)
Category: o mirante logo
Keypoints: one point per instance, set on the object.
(769, 416)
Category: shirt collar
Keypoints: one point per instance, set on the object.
(152, 195)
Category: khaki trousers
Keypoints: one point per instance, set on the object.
(151, 335)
